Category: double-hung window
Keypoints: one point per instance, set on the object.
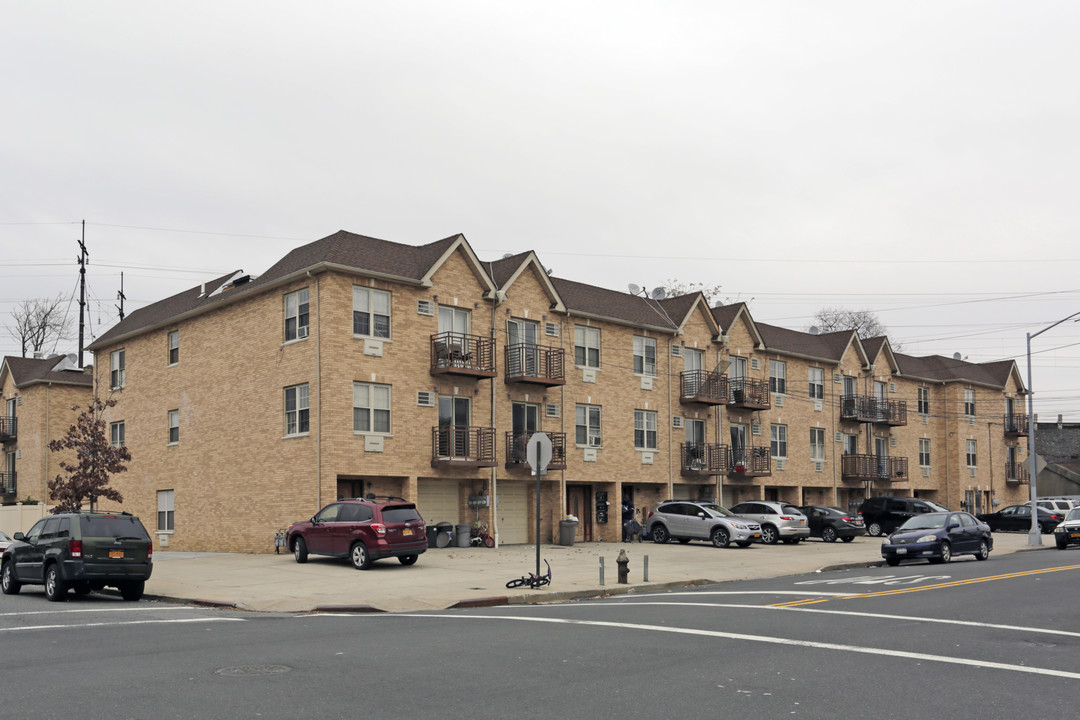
(924, 452)
(174, 427)
(586, 346)
(116, 375)
(371, 408)
(297, 418)
(174, 347)
(969, 403)
(972, 456)
(644, 355)
(645, 429)
(817, 383)
(924, 401)
(778, 440)
(116, 433)
(371, 312)
(587, 425)
(817, 444)
(166, 503)
(296, 315)
(778, 376)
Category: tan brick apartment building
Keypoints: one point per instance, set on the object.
(356, 365)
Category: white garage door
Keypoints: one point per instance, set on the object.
(513, 513)
(437, 501)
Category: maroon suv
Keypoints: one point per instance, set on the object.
(362, 529)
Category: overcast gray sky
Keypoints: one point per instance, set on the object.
(918, 159)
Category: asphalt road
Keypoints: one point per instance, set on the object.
(967, 639)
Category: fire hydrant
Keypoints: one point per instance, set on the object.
(624, 567)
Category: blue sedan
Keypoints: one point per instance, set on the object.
(937, 537)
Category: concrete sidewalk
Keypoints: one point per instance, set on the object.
(450, 577)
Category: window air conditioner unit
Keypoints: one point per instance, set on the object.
(302, 332)
(425, 399)
(594, 442)
(425, 307)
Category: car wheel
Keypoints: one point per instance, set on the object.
(660, 534)
(407, 559)
(720, 537)
(299, 550)
(358, 553)
(848, 538)
(984, 551)
(8, 583)
(743, 543)
(132, 590)
(828, 534)
(55, 589)
(683, 541)
(946, 554)
(82, 588)
(874, 529)
(892, 561)
(769, 535)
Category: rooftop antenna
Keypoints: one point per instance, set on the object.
(121, 297)
(83, 255)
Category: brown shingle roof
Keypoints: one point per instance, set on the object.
(27, 371)
(943, 369)
(827, 346)
(614, 305)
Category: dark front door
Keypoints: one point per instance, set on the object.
(579, 505)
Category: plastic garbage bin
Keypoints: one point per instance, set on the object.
(432, 536)
(461, 535)
(444, 532)
(567, 530)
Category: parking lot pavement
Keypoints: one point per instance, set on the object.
(448, 577)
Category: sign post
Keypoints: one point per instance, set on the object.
(538, 454)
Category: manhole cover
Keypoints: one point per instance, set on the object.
(248, 670)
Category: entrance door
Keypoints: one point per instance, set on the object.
(579, 505)
(525, 421)
(512, 511)
(453, 426)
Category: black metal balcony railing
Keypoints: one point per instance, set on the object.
(874, 467)
(517, 444)
(1016, 425)
(9, 426)
(705, 387)
(7, 482)
(1017, 472)
(701, 459)
(750, 462)
(536, 364)
(750, 394)
(865, 408)
(464, 446)
(461, 354)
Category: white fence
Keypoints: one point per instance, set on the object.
(18, 517)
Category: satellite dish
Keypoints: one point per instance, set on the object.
(815, 330)
(634, 289)
(957, 356)
(507, 255)
(658, 293)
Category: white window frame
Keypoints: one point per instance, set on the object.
(972, 453)
(778, 377)
(816, 380)
(117, 374)
(778, 440)
(645, 435)
(371, 406)
(588, 339)
(298, 312)
(166, 516)
(969, 402)
(117, 433)
(924, 452)
(369, 301)
(589, 417)
(817, 444)
(924, 400)
(643, 363)
(173, 356)
(174, 427)
(297, 419)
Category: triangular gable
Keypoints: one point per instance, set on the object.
(878, 346)
(727, 316)
(460, 244)
(700, 305)
(855, 344)
(531, 260)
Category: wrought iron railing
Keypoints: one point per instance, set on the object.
(705, 459)
(704, 386)
(874, 467)
(517, 444)
(528, 362)
(463, 444)
(462, 354)
(866, 408)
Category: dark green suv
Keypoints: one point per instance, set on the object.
(81, 551)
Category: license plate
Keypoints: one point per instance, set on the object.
(757, 535)
(407, 531)
(116, 553)
(802, 522)
(901, 551)
(1074, 534)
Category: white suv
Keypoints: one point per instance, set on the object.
(1056, 505)
(686, 520)
(778, 520)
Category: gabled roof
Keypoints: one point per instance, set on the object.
(829, 347)
(506, 270)
(727, 315)
(620, 307)
(682, 307)
(57, 370)
(942, 369)
(876, 347)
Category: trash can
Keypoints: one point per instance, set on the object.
(432, 536)
(443, 532)
(461, 535)
(567, 530)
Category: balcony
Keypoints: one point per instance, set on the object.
(516, 450)
(9, 426)
(1016, 472)
(704, 459)
(7, 486)
(705, 387)
(535, 364)
(460, 354)
(1016, 425)
(749, 394)
(867, 468)
(750, 462)
(471, 447)
(864, 408)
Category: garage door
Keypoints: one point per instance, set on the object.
(437, 501)
(513, 513)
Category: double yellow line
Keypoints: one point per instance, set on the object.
(938, 586)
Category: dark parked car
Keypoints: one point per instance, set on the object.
(363, 530)
(937, 537)
(686, 520)
(830, 523)
(81, 551)
(1018, 517)
(1068, 532)
(885, 513)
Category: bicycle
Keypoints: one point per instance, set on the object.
(480, 536)
(532, 579)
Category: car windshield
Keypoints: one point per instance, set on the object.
(935, 506)
(719, 510)
(4, 538)
(931, 521)
(114, 526)
(1074, 514)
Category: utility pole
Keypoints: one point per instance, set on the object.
(83, 255)
(121, 297)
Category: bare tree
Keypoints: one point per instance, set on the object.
(864, 322)
(39, 322)
(676, 287)
(96, 459)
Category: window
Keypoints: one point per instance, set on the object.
(587, 425)
(817, 443)
(296, 410)
(165, 510)
(116, 361)
(817, 383)
(296, 315)
(778, 441)
(174, 347)
(644, 355)
(924, 401)
(851, 444)
(174, 427)
(371, 408)
(924, 452)
(370, 312)
(116, 434)
(586, 346)
(969, 402)
(645, 429)
(972, 457)
(777, 376)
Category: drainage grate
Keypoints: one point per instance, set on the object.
(249, 670)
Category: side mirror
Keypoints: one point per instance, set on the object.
(952, 526)
(701, 515)
(313, 521)
(18, 536)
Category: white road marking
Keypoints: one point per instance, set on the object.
(117, 624)
(800, 593)
(787, 642)
(125, 608)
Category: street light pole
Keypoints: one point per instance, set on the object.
(1034, 535)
